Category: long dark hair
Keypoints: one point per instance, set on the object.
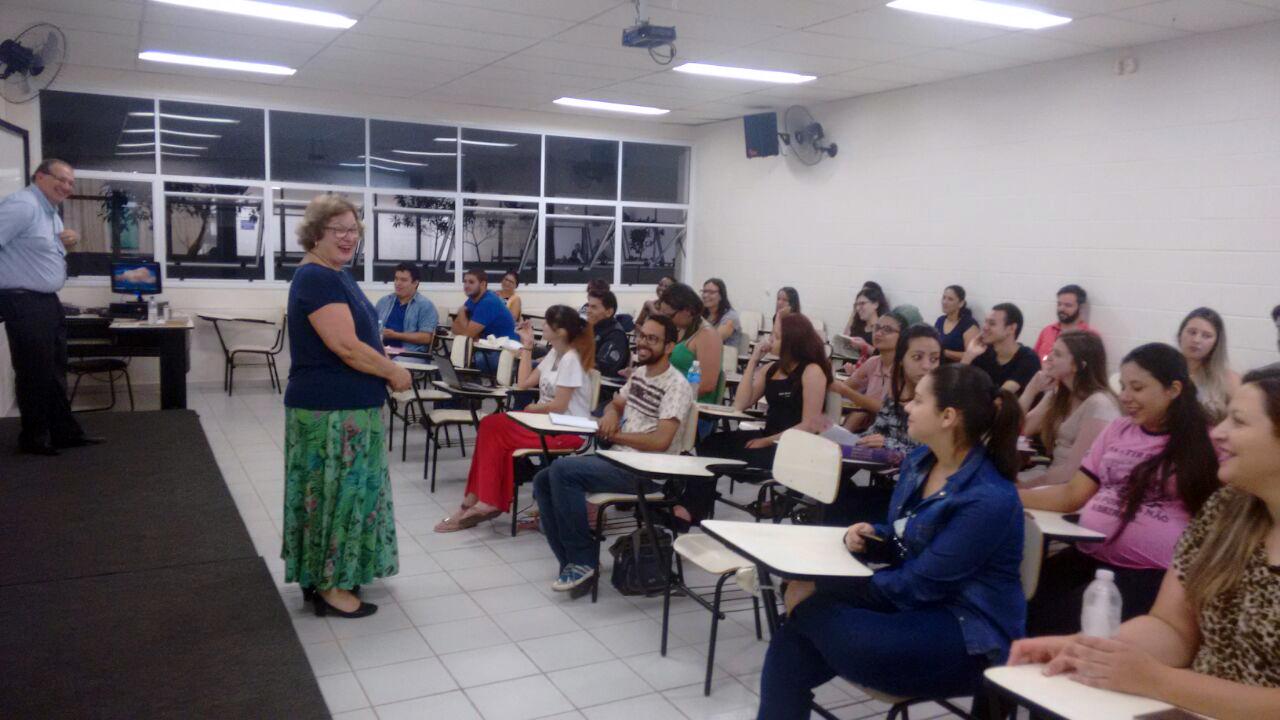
(581, 338)
(682, 297)
(875, 296)
(1211, 381)
(1090, 357)
(724, 306)
(1189, 455)
(965, 312)
(793, 298)
(898, 375)
(801, 347)
(990, 415)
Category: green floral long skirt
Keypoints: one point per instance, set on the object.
(339, 530)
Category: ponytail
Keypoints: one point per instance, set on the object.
(990, 416)
(581, 340)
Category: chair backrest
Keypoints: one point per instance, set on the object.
(1032, 556)
(833, 407)
(460, 353)
(689, 430)
(729, 359)
(506, 368)
(1114, 382)
(282, 330)
(594, 376)
(818, 325)
(808, 464)
(751, 322)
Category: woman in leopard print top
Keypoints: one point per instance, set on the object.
(1211, 643)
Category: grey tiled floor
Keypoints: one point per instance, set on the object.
(470, 627)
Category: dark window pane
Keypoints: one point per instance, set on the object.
(211, 141)
(663, 216)
(579, 250)
(113, 218)
(317, 148)
(655, 173)
(407, 155)
(592, 210)
(289, 206)
(501, 163)
(214, 231)
(499, 236)
(98, 132)
(650, 252)
(582, 168)
(417, 230)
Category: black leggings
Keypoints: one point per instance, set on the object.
(1055, 609)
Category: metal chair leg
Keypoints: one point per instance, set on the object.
(128, 383)
(716, 615)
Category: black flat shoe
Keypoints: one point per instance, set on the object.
(309, 593)
(82, 441)
(38, 449)
(323, 608)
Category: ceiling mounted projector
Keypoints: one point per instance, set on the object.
(659, 40)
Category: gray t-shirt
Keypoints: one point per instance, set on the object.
(734, 340)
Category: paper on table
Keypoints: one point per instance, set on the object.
(504, 343)
(573, 421)
(840, 436)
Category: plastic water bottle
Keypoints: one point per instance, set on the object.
(1100, 612)
(695, 376)
(153, 312)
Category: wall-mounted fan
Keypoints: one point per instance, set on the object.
(804, 135)
(31, 61)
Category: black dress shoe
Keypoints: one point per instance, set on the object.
(81, 441)
(38, 449)
(323, 608)
(309, 593)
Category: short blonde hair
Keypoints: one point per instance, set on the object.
(319, 212)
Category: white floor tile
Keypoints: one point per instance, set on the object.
(326, 658)
(484, 578)
(522, 699)
(559, 652)
(681, 667)
(342, 692)
(535, 623)
(445, 608)
(599, 683)
(389, 617)
(361, 714)
(415, 587)
(460, 635)
(368, 651)
(403, 681)
(467, 557)
(509, 599)
(417, 563)
(452, 705)
(489, 665)
(634, 638)
(649, 707)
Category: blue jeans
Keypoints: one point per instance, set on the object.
(910, 652)
(561, 491)
(486, 361)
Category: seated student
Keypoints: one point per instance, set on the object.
(951, 603)
(720, 313)
(1071, 300)
(564, 387)
(795, 387)
(1076, 406)
(1202, 337)
(645, 415)
(996, 351)
(956, 324)
(698, 340)
(613, 349)
(483, 314)
(511, 281)
(664, 282)
(868, 305)
(868, 382)
(787, 301)
(408, 318)
(1144, 478)
(1209, 644)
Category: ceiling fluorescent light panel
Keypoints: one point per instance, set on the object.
(215, 63)
(984, 12)
(739, 73)
(609, 106)
(269, 11)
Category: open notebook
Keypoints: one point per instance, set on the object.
(573, 421)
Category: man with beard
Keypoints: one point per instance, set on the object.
(1071, 300)
(645, 416)
(484, 314)
(997, 352)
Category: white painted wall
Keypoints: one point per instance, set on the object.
(1157, 191)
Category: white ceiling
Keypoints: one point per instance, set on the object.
(522, 54)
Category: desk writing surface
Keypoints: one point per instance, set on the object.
(459, 391)
(723, 411)
(790, 550)
(663, 464)
(177, 323)
(1067, 698)
(541, 422)
(411, 364)
(1053, 525)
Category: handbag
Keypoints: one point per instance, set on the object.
(639, 568)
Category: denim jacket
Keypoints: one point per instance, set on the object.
(964, 550)
(419, 316)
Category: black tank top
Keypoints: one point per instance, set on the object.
(786, 401)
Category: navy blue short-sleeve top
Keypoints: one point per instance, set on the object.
(318, 378)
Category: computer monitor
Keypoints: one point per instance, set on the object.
(135, 277)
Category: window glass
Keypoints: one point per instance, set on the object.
(214, 231)
(407, 155)
(500, 163)
(501, 236)
(581, 168)
(317, 148)
(655, 173)
(211, 141)
(413, 229)
(113, 218)
(98, 132)
(649, 252)
(661, 216)
(579, 250)
(573, 209)
(290, 204)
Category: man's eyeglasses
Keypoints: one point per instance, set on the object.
(650, 339)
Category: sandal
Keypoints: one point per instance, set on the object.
(463, 522)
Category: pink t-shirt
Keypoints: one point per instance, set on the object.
(1149, 539)
(871, 378)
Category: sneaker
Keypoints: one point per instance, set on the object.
(572, 577)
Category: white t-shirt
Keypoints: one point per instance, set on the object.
(650, 399)
(567, 372)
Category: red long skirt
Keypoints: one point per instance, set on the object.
(491, 477)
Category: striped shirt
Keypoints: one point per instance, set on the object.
(650, 399)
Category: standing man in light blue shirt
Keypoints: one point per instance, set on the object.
(33, 268)
(408, 319)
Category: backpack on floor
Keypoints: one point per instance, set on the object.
(637, 568)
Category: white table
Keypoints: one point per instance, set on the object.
(1056, 527)
(178, 322)
(723, 411)
(414, 365)
(496, 393)
(541, 423)
(1065, 698)
(659, 466)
